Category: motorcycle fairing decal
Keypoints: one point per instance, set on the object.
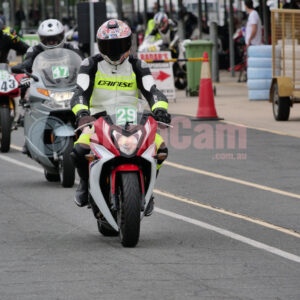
(95, 172)
(150, 130)
(149, 156)
(103, 133)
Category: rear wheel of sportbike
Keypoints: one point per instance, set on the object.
(51, 177)
(128, 216)
(5, 131)
(105, 229)
(281, 105)
(66, 167)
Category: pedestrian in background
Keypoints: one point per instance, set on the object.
(253, 27)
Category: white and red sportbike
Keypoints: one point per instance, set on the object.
(122, 166)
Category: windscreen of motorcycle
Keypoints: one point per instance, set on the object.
(126, 110)
(57, 67)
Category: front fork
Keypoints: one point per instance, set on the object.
(113, 176)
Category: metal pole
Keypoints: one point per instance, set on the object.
(145, 13)
(225, 12)
(215, 55)
(138, 8)
(200, 18)
(266, 23)
(171, 9)
(119, 9)
(12, 9)
(92, 28)
(180, 21)
(158, 5)
(132, 12)
(206, 11)
(231, 42)
(43, 8)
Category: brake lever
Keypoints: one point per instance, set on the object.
(84, 125)
(165, 124)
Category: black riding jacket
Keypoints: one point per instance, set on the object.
(8, 42)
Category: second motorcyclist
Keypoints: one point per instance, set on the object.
(52, 35)
(102, 78)
(166, 30)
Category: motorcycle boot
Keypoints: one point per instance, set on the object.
(82, 194)
(150, 207)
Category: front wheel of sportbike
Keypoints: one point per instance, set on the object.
(67, 168)
(5, 129)
(129, 212)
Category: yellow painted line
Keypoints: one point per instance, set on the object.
(189, 201)
(262, 129)
(228, 213)
(16, 147)
(232, 179)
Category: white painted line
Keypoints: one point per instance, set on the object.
(231, 235)
(24, 165)
(232, 179)
(207, 226)
(229, 213)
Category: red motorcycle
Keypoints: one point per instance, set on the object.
(122, 165)
(9, 90)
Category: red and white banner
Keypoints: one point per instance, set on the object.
(162, 72)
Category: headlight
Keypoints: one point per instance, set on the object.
(127, 144)
(61, 96)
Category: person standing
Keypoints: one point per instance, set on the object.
(253, 27)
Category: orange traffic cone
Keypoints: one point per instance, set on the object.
(206, 105)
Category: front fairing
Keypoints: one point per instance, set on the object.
(126, 126)
(56, 70)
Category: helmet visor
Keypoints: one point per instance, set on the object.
(114, 48)
(52, 40)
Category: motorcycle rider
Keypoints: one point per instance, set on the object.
(166, 30)
(52, 35)
(113, 64)
(9, 41)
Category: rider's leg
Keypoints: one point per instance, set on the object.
(81, 148)
(162, 152)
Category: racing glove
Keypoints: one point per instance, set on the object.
(25, 82)
(162, 115)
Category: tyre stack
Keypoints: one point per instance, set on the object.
(259, 72)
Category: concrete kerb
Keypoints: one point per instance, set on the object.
(232, 104)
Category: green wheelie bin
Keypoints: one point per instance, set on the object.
(196, 49)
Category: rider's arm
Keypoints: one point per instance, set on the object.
(146, 85)
(18, 45)
(85, 85)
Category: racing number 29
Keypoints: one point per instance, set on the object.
(126, 115)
